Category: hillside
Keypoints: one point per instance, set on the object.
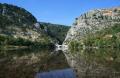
(19, 27)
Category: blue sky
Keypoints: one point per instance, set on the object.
(61, 11)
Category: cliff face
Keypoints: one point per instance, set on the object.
(89, 24)
(92, 22)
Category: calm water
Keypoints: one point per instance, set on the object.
(66, 73)
(24, 63)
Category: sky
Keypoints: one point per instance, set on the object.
(61, 11)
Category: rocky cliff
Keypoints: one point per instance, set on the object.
(94, 29)
(19, 23)
(16, 22)
(93, 21)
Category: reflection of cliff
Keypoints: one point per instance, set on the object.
(104, 22)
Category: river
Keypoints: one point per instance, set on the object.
(30, 63)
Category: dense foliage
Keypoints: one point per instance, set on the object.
(6, 41)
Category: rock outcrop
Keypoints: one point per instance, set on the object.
(90, 22)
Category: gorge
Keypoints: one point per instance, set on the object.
(91, 47)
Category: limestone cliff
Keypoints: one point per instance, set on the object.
(93, 21)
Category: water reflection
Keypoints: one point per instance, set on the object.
(96, 63)
(66, 73)
(109, 57)
(25, 63)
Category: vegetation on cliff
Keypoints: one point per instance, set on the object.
(107, 37)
